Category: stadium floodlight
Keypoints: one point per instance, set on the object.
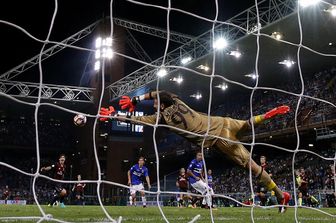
(198, 96)
(103, 50)
(306, 3)
(235, 53)
(97, 55)
(98, 42)
(107, 53)
(330, 44)
(287, 63)
(203, 67)
(97, 65)
(162, 72)
(252, 75)
(223, 86)
(220, 43)
(331, 10)
(178, 79)
(277, 35)
(311, 145)
(108, 41)
(186, 60)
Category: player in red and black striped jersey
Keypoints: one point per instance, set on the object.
(182, 184)
(330, 186)
(331, 176)
(78, 189)
(302, 181)
(6, 194)
(58, 174)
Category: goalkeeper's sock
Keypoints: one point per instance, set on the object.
(300, 201)
(131, 200)
(258, 119)
(266, 180)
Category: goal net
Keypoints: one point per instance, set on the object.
(218, 48)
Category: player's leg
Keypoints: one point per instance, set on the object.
(188, 198)
(258, 119)
(313, 200)
(300, 199)
(132, 197)
(142, 193)
(56, 195)
(62, 196)
(236, 126)
(203, 188)
(239, 154)
(180, 200)
(197, 187)
(143, 199)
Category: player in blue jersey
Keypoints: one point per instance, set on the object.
(196, 180)
(135, 181)
(210, 178)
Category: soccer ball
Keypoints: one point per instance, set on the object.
(80, 120)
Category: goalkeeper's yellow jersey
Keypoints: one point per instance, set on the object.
(183, 117)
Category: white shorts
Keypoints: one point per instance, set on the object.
(135, 188)
(202, 187)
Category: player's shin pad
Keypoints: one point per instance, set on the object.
(270, 186)
(265, 180)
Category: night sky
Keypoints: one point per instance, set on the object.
(67, 67)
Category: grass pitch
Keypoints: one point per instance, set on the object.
(173, 214)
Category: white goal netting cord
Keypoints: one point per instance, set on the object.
(99, 181)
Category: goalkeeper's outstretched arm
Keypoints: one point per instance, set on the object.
(166, 100)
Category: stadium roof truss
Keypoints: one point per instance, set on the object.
(49, 91)
(197, 47)
(270, 11)
(72, 93)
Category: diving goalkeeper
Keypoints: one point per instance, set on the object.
(174, 112)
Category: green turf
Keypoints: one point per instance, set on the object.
(152, 214)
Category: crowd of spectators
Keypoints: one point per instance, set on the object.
(236, 182)
(19, 130)
(281, 170)
(321, 85)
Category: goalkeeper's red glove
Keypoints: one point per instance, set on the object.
(126, 102)
(281, 110)
(106, 112)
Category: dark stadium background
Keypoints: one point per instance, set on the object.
(118, 150)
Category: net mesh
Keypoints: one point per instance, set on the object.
(300, 96)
